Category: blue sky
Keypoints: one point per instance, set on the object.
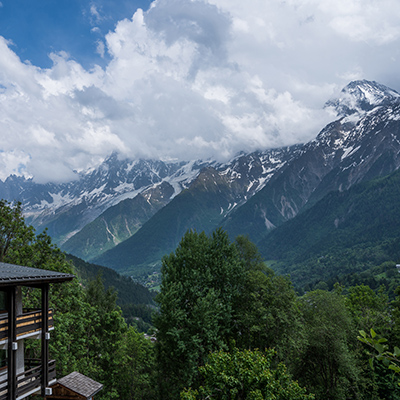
(178, 79)
(38, 28)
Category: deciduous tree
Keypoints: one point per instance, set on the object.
(326, 362)
(267, 313)
(246, 374)
(201, 283)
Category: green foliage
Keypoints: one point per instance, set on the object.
(201, 283)
(105, 329)
(267, 313)
(19, 244)
(246, 375)
(326, 363)
(137, 376)
(375, 277)
(391, 359)
(394, 335)
(214, 291)
(14, 234)
(378, 349)
(368, 308)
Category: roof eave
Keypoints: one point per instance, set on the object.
(33, 281)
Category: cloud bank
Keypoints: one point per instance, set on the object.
(193, 79)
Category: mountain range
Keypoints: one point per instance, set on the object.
(127, 214)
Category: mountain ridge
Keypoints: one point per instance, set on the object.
(345, 152)
(202, 206)
(251, 194)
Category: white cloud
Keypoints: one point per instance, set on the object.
(366, 20)
(194, 79)
(95, 14)
(100, 48)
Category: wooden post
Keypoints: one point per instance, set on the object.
(45, 342)
(12, 340)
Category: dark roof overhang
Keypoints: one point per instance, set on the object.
(17, 275)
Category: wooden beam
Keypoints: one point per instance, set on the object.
(45, 341)
(12, 340)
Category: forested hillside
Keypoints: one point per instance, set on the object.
(118, 223)
(198, 207)
(227, 326)
(136, 301)
(346, 232)
(128, 290)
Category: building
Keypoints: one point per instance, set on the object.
(75, 386)
(21, 377)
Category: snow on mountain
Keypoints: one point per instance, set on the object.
(65, 208)
(254, 193)
(354, 148)
(368, 113)
(361, 96)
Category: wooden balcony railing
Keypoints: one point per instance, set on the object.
(28, 322)
(28, 380)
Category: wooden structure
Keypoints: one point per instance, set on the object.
(20, 377)
(75, 386)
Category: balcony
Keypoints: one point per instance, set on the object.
(29, 323)
(29, 381)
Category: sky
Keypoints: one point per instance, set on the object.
(178, 79)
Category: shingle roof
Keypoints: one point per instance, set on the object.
(80, 384)
(11, 274)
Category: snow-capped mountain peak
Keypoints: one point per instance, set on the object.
(362, 96)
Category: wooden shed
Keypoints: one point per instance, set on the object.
(74, 386)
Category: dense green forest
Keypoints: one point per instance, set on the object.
(226, 326)
(136, 301)
(340, 237)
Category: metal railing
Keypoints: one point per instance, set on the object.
(28, 380)
(28, 322)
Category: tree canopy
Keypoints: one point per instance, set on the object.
(201, 283)
(245, 375)
(215, 292)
